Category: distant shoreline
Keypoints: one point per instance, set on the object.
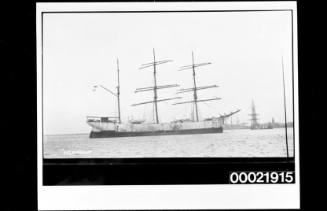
(227, 128)
(65, 134)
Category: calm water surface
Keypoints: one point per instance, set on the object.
(230, 143)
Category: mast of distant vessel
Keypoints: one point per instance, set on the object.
(286, 138)
(254, 117)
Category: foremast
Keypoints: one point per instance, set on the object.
(195, 88)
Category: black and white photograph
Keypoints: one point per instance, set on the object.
(162, 98)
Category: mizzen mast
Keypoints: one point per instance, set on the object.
(155, 87)
(118, 92)
(195, 88)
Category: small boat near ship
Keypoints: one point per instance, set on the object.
(109, 127)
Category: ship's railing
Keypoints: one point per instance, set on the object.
(101, 119)
(212, 119)
(181, 120)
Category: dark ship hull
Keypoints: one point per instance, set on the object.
(113, 134)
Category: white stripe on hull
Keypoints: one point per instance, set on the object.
(128, 127)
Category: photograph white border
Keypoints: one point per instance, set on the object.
(263, 196)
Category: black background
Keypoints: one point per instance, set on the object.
(154, 171)
(18, 86)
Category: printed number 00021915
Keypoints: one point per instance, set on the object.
(259, 177)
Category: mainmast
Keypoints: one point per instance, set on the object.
(155, 87)
(195, 100)
(195, 91)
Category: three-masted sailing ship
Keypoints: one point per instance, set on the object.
(105, 127)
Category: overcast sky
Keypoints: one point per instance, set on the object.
(245, 49)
